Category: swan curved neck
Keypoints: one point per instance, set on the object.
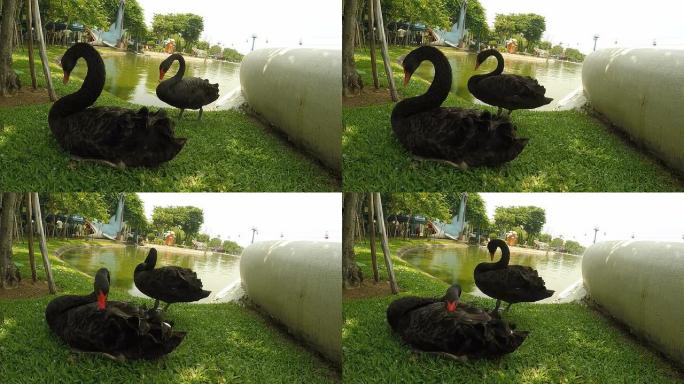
(499, 63)
(502, 263)
(435, 95)
(181, 62)
(90, 89)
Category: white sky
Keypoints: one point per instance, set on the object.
(298, 216)
(649, 216)
(632, 23)
(318, 23)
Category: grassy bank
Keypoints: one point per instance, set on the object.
(226, 343)
(226, 151)
(568, 343)
(567, 151)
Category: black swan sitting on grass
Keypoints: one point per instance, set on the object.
(506, 91)
(509, 283)
(114, 329)
(115, 136)
(184, 93)
(452, 329)
(168, 284)
(460, 137)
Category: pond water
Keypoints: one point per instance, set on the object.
(135, 78)
(558, 77)
(215, 270)
(457, 264)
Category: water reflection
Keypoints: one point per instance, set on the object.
(558, 77)
(216, 270)
(458, 264)
(135, 78)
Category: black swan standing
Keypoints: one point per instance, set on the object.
(114, 329)
(114, 136)
(509, 283)
(168, 284)
(184, 93)
(452, 329)
(460, 137)
(506, 91)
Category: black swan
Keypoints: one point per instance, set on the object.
(111, 135)
(460, 137)
(114, 329)
(509, 283)
(506, 91)
(452, 329)
(188, 93)
(168, 284)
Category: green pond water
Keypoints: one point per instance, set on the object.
(559, 78)
(215, 270)
(135, 78)
(457, 264)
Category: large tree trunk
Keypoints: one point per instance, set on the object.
(351, 274)
(351, 82)
(9, 82)
(9, 274)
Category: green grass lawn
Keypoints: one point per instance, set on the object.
(568, 343)
(567, 151)
(226, 151)
(225, 343)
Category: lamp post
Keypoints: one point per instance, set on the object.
(254, 231)
(596, 229)
(596, 37)
(254, 36)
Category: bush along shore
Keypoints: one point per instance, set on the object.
(226, 151)
(567, 151)
(225, 343)
(568, 343)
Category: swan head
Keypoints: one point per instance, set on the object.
(149, 263)
(102, 280)
(493, 245)
(165, 65)
(452, 297)
(412, 61)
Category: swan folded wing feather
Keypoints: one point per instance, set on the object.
(431, 328)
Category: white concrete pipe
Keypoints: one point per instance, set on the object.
(641, 284)
(299, 283)
(299, 91)
(641, 92)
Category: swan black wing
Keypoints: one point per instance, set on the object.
(511, 92)
(467, 331)
(119, 135)
(171, 284)
(399, 310)
(190, 93)
(458, 135)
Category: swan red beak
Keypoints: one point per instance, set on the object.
(451, 306)
(407, 77)
(66, 77)
(161, 75)
(101, 301)
(477, 65)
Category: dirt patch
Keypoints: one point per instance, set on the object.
(368, 288)
(368, 96)
(25, 290)
(25, 97)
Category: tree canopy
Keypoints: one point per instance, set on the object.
(531, 219)
(134, 210)
(188, 218)
(528, 25)
(430, 204)
(188, 26)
